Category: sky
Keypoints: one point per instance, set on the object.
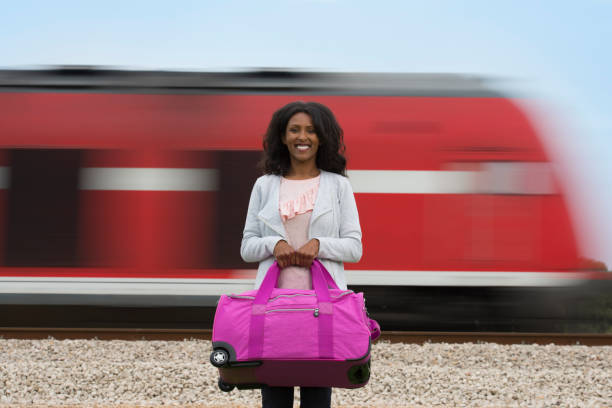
(558, 53)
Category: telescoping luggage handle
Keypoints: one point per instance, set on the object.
(321, 281)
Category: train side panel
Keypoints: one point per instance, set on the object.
(443, 184)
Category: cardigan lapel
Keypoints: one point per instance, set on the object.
(324, 200)
(270, 213)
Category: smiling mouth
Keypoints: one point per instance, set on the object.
(302, 147)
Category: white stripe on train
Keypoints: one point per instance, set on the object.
(490, 178)
(204, 287)
(148, 179)
(206, 292)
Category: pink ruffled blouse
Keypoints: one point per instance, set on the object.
(297, 200)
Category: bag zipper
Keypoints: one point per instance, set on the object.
(315, 311)
(233, 296)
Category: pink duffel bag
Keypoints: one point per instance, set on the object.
(293, 337)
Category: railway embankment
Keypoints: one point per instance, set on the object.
(90, 372)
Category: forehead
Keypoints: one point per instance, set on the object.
(300, 118)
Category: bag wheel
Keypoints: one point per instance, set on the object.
(224, 387)
(359, 374)
(219, 357)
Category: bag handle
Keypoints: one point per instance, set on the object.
(320, 282)
(331, 283)
(270, 280)
(326, 309)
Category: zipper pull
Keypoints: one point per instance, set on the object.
(316, 312)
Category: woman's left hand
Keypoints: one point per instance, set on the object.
(307, 253)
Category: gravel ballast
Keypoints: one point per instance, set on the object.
(127, 373)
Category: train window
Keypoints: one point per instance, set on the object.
(237, 174)
(42, 210)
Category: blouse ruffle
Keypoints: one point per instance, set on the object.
(299, 204)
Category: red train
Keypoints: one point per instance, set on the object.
(130, 188)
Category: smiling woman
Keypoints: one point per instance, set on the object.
(293, 216)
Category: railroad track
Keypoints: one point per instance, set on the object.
(589, 339)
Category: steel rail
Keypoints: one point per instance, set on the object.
(588, 339)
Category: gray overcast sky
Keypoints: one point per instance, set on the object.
(558, 51)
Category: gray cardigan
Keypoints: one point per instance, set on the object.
(334, 222)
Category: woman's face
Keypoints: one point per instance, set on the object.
(301, 139)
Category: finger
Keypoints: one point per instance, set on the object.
(295, 260)
(302, 259)
(282, 260)
(286, 261)
(298, 259)
(309, 260)
(307, 256)
(305, 263)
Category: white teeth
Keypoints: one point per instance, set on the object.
(302, 147)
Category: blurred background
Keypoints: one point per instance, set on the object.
(551, 56)
(556, 52)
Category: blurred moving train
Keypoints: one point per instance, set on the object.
(125, 190)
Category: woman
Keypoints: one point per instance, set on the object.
(301, 209)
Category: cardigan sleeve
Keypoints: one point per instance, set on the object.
(347, 247)
(255, 247)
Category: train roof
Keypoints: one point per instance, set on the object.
(273, 81)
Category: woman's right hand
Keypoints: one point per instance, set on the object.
(284, 253)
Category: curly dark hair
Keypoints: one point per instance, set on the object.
(330, 155)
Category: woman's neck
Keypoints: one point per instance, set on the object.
(298, 171)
